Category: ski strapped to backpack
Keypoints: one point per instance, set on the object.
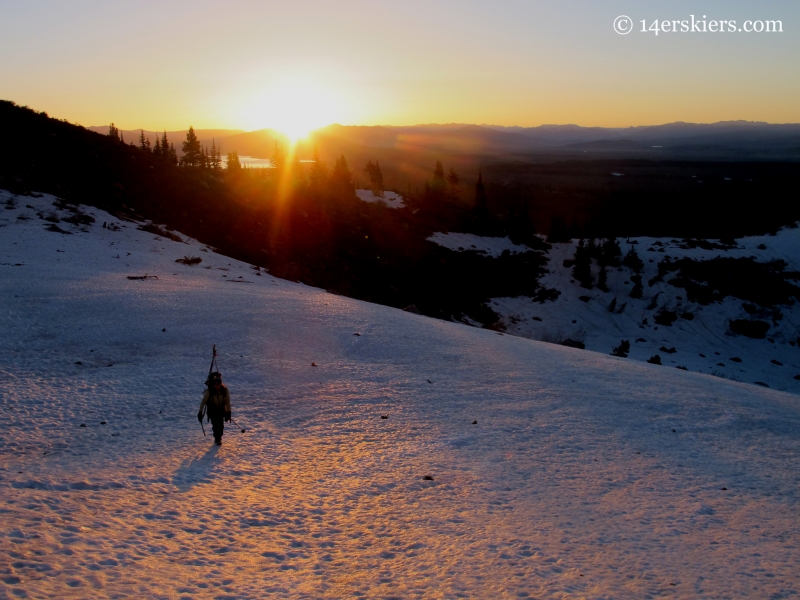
(213, 372)
(211, 375)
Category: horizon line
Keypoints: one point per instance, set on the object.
(454, 124)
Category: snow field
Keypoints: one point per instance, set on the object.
(490, 246)
(390, 199)
(703, 344)
(584, 476)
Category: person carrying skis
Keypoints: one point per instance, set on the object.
(217, 403)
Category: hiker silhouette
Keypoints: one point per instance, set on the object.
(217, 404)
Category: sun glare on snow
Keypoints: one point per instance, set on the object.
(294, 106)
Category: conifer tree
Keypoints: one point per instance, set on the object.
(173, 155)
(595, 251)
(234, 166)
(341, 177)
(373, 171)
(638, 289)
(113, 132)
(575, 230)
(582, 268)
(192, 152)
(318, 173)
(632, 260)
(215, 157)
(622, 350)
(453, 180)
(278, 156)
(611, 252)
(559, 231)
(165, 146)
(144, 143)
(526, 226)
(299, 176)
(437, 184)
(602, 281)
(157, 148)
(438, 172)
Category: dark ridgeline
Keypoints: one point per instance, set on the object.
(304, 222)
(321, 234)
(708, 199)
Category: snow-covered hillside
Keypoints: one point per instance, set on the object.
(390, 199)
(488, 246)
(698, 338)
(504, 467)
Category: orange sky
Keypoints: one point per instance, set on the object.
(298, 65)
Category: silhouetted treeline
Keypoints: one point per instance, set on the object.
(621, 198)
(303, 221)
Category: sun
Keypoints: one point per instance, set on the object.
(294, 106)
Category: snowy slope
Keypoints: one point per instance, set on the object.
(489, 246)
(390, 199)
(703, 344)
(584, 475)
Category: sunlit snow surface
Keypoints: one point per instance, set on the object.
(390, 199)
(585, 475)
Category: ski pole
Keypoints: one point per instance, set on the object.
(235, 423)
(201, 424)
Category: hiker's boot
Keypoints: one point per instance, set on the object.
(218, 441)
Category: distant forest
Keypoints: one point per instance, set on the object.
(303, 221)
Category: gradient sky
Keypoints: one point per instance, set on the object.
(251, 64)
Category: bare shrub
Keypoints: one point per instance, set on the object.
(189, 260)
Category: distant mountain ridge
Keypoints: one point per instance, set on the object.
(655, 134)
(724, 140)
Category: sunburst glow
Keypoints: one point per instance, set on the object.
(294, 106)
